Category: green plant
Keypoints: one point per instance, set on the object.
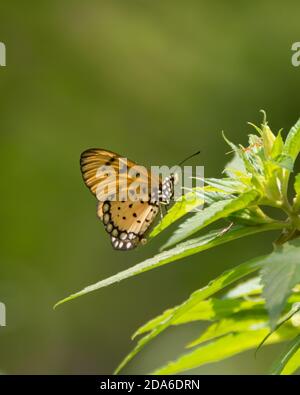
(260, 310)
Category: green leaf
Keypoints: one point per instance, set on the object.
(293, 364)
(189, 202)
(234, 148)
(252, 162)
(216, 309)
(285, 161)
(289, 361)
(250, 216)
(235, 166)
(291, 315)
(297, 190)
(185, 249)
(229, 185)
(214, 212)
(180, 208)
(277, 146)
(222, 348)
(208, 310)
(268, 139)
(297, 184)
(281, 272)
(251, 321)
(289, 154)
(216, 197)
(247, 288)
(227, 278)
(292, 143)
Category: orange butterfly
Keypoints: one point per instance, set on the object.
(125, 206)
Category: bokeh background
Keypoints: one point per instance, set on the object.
(155, 81)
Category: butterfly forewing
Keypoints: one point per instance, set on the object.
(96, 165)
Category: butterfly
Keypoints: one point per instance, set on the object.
(112, 179)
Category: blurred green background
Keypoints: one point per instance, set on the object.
(155, 81)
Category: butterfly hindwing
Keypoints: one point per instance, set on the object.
(127, 222)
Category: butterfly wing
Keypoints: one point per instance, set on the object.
(126, 221)
(95, 159)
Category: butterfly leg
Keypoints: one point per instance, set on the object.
(160, 211)
(225, 230)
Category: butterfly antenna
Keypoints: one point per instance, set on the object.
(189, 157)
